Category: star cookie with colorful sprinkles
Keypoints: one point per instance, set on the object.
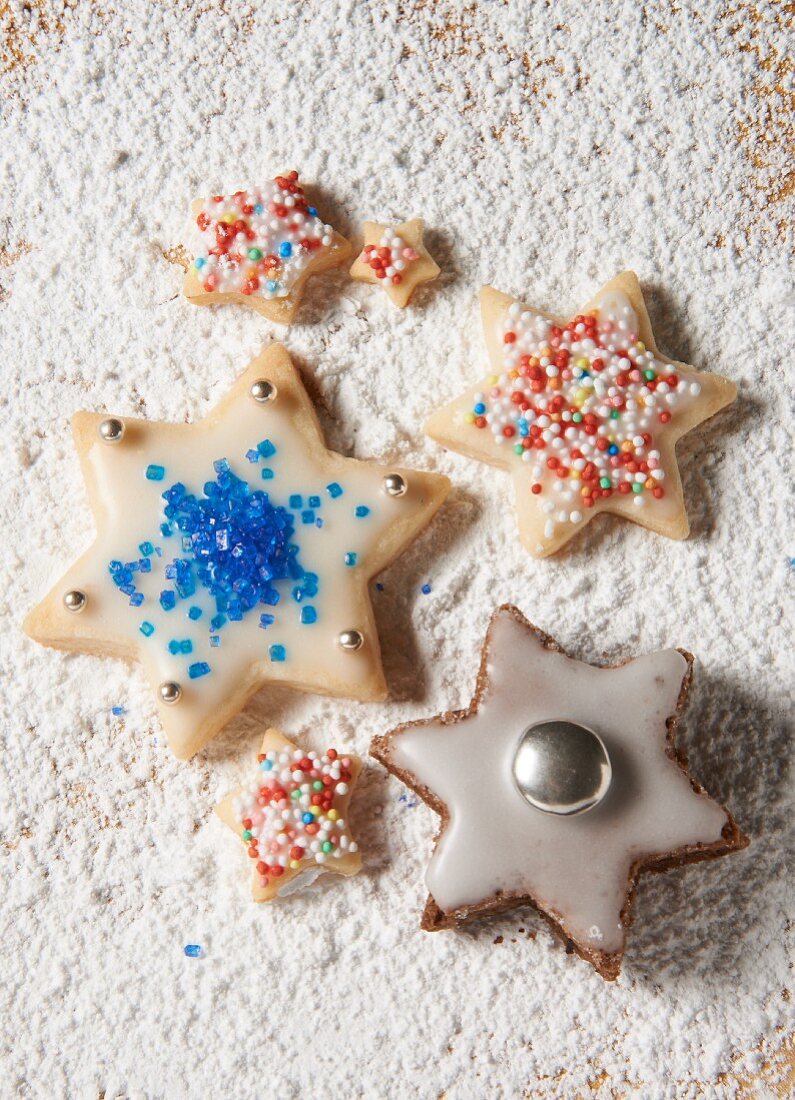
(557, 787)
(234, 552)
(584, 414)
(258, 247)
(292, 816)
(395, 257)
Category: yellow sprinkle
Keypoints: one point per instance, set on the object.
(583, 363)
(581, 396)
(333, 815)
(470, 418)
(295, 864)
(230, 219)
(640, 345)
(493, 379)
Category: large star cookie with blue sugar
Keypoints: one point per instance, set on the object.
(584, 414)
(234, 552)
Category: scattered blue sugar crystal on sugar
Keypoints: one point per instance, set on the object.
(307, 516)
(350, 558)
(265, 621)
(296, 501)
(266, 449)
(146, 629)
(168, 600)
(313, 502)
(361, 511)
(155, 473)
(308, 615)
(252, 456)
(215, 641)
(146, 549)
(267, 473)
(198, 669)
(136, 599)
(193, 950)
(195, 613)
(334, 490)
(117, 711)
(277, 653)
(426, 589)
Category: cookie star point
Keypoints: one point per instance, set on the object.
(584, 414)
(396, 257)
(497, 849)
(314, 838)
(234, 552)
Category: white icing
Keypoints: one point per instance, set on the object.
(576, 867)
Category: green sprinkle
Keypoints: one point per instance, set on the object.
(605, 482)
(247, 834)
(518, 448)
(649, 375)
(327, 846)
(254, 254)
(317, 785)
(614, 414)
(637, 486)
(577, 417)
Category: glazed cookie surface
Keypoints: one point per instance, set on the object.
(584, 414)
(557, 787)
(258, 247)
(234, 552)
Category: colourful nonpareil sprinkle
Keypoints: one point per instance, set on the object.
(259, 242)
(582, 404)
(193, 950)
(117, 711)
(390, 258)
(426, 589)
(289, 815)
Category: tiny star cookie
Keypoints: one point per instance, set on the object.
(584, 414)
(557, 787)
(395, 257)
(258, 247)
(292, 816)
(234, 552)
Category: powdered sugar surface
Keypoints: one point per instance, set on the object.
(546, 151)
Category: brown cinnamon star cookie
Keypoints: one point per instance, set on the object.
(557, 786)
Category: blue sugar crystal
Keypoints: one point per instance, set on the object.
(168, 600)
(313, 502)
(173, 646)
(361, 511)
(193, 950)
(215, 641)
(195, 613)
(308, 614)
(186, 646)
(266, 449)
(146, 549)
(265, 621)
(334, 490)
(277, 653)
(117, 711)
(252, 456)
(136, 599)
(351, 558)
(307, 516)
(165, 530)
(197, 669)
(145, 565)
(296, 501)
(217, 622)
(267, 473)
(426, 589)
(155, 473)
(146, 629)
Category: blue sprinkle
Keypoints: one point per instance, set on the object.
(266, 448)
(361, 511)
(277, 653)
(285, 250)
(146, 549)
(307, 516)
(426, 589)
(252, 456)
(350, 558)
(612, 450)
(312, 210)
(193, 950)
(296, 501)
(265, 621)
(479, 409)
(307, 818)
(199, 262)
(195, 613)
(308, 615)
(117, 711)
(334, 490)
(272, 285)
(267, 473)
(155, 473)
(136, 599)
(266, 765)
(215, 641)
(146, 629)
(313, 502)
(197, 669)
(168, 600)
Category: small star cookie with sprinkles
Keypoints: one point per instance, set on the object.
(557, 787)
(258, 247)
(585, 415)
(233, 553)
(395, 257)
(292, 816)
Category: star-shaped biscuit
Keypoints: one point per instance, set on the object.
(234, 552)
(292, 816)
(395, 257)
(258, 247)
(557, 787)
(584, 414)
